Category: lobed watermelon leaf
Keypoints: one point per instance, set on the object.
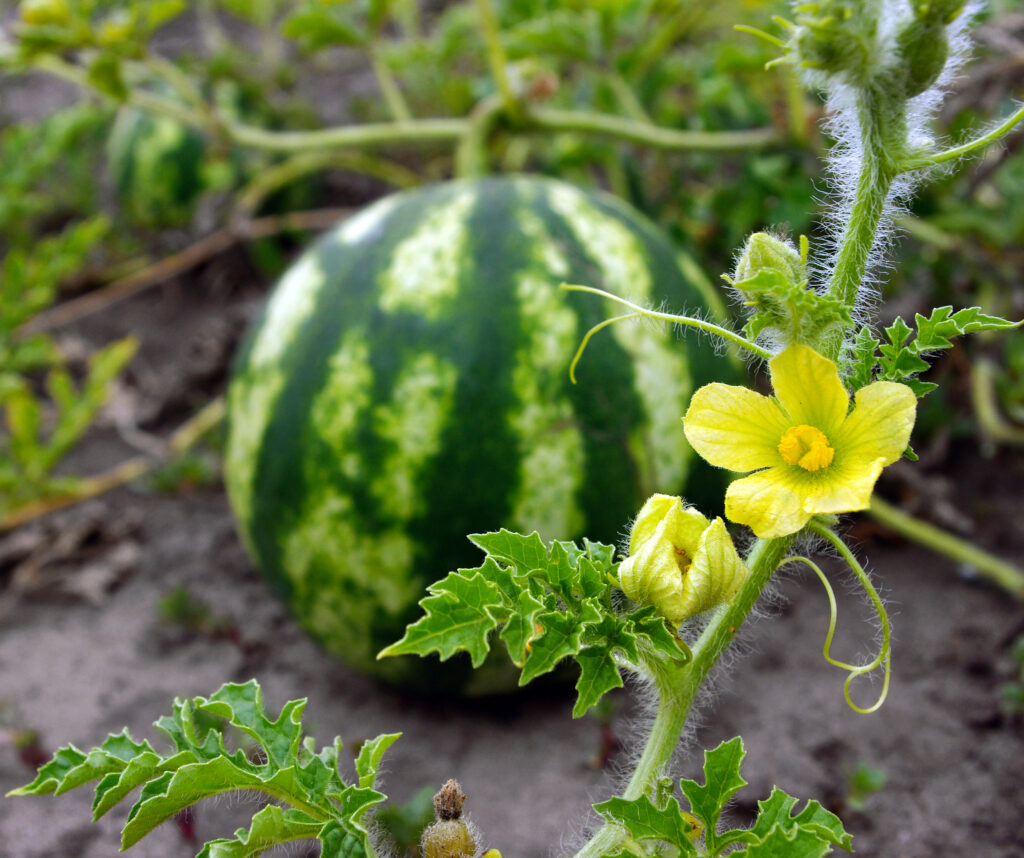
(900, 356)
(283, 764)
(551, 603)
(776, 833)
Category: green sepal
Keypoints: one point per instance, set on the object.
(551, 603)
(790, 310)
(722, 781)
(644, 821)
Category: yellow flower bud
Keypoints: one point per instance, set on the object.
(679, 562)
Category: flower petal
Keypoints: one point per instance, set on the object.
(652, 577)
(879, 426)
(844, 487)
(771, 502)
(809, 388)
(651, 514)
(734, 427)
(684, 524)
(716, 572)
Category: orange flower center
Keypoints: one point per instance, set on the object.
(807, 447)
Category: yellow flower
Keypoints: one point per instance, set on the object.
(679, 562)
(811, 453)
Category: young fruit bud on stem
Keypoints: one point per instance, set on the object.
(449, 836)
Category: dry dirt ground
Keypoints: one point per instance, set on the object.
(84, 651)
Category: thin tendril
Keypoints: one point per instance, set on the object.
(709, 327)
(854, 670)
(761, 34)
(589, 334)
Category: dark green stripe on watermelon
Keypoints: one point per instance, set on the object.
(320, 515)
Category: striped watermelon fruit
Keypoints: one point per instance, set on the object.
(156, 164)
(408, 384)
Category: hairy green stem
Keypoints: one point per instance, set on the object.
(882, 133)
(1005, 574)
(678, 686)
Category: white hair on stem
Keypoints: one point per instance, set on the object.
(847, 155)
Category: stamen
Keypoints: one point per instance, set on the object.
(807, 447)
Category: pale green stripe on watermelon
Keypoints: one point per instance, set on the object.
(327, 532)
(551, 449)
(346, 393)
(424, 273)
(254, 392)
(663, 378)
(412, 423)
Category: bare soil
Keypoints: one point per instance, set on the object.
(84, 651)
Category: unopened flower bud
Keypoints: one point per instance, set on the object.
(679, 562)
(766, 252)
(923, 48)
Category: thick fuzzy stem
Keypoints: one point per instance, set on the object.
(883, 139)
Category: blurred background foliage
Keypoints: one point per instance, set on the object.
(143, 156)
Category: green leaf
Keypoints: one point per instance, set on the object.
(270, 827)
(458, 618)
(520, 628)
(525, 553)
(898, 332)
(783, 843)
(776, 812)
(315, 30)
(559, 638)
(339, 841)
(551, 603)
(644, 821)
(901, 358)
(104, 73)
(172, 792)
(653, 629)
(370, 755)
(289, 770)
(599, 674)
(722, 780)
(241, 705)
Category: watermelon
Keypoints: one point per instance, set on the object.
(408, 384)
(156, 164)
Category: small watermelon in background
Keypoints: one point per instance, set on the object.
(156, 164)
(408, 384)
